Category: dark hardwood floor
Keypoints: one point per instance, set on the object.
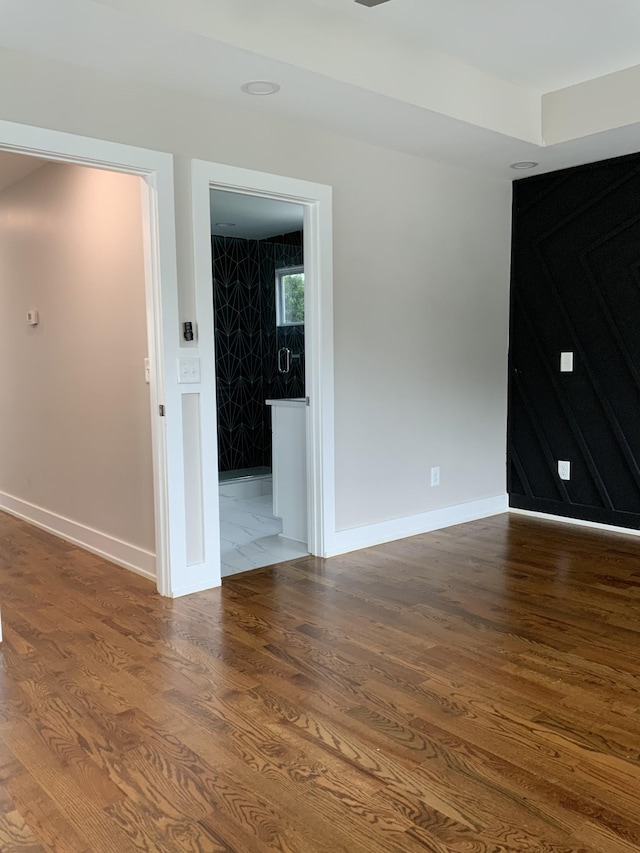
(472, 690)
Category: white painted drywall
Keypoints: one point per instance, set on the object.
(307, 35)
(75, 434)
(421, 279)
(595, 106)
(421, 337)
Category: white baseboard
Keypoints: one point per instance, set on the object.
(576, 522)
(122, 553)
(202, 586)
(401, 528)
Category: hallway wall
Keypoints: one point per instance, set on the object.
(75, 431)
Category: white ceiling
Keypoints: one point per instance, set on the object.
(542, 42)
(547, 44)
(252, 217)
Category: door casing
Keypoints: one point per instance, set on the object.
(316, 200)
(161, 290)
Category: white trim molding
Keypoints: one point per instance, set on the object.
(316, 200)
(401, 528)
(131, 557)
(575, 522)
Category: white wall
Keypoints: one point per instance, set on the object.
(595, 106)
(421, 278)
(75, 434)
(421, 337)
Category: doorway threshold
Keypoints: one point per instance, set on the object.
(251, 535)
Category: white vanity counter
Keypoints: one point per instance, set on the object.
(289, 463)
(288, 402)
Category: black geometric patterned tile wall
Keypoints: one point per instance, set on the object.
(246, 343)
(576, 287)
(278, 256)
(292, 238)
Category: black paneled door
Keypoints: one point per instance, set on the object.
(576, 289)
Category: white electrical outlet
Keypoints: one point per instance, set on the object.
(188, 370)
(566, 362)
(564, 469)
(435, 476)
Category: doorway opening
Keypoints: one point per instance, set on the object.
(155, 169)
(257, 248)
(299, 351)
(75, 426)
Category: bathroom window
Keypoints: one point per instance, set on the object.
(290, 296)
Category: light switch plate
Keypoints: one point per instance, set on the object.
(564, 469)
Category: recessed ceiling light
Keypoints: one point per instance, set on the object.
(225, 224)
(524, 164)
(260, 87)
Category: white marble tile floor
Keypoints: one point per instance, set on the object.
(249, 531)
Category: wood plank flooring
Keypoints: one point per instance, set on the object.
(472, 690)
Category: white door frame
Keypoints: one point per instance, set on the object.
(316, 200)
(156, 170)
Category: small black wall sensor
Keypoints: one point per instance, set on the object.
(188, 331)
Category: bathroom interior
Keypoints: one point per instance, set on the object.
(258, 302)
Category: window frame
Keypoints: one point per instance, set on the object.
(281, 272)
